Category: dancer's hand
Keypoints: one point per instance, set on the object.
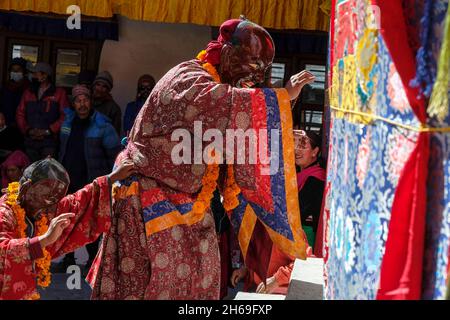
(123, 171)
(271, 284)
(55, 229)
(238, 275)
(297, 82)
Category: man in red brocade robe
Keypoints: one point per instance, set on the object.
(79, 218)
(158, 248)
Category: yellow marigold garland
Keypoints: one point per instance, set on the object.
(209, 181)
(42, 264)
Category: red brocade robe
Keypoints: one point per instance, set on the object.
(92, 208)
(157, 248)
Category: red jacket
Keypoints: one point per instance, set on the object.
(46, 113)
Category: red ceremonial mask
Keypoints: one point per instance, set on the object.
(46, 193)
(48, 184)
(244, 52)
(246, 59)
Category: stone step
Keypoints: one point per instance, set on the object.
(59, 289)
(306, 283)
(306, 280)
(258, 296)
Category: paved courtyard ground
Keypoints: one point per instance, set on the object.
(58, 289)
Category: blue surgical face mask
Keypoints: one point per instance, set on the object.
(16, 76)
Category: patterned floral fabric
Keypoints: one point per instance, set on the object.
(269, 199)
(155, 249)
(170, 262)
(186, 94)
(92, 208)
(366, 157)
(177, 263)
(372, 155)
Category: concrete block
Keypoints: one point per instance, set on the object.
(306, 280)
(258, 296)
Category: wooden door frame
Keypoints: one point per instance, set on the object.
(91, 49)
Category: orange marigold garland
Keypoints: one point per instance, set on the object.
(209, 185)
(19, 212)
(42, 264)
(32, 296)
(232, 190)
(209, 181)
(208, 66)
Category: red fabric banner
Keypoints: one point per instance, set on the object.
(401, 269)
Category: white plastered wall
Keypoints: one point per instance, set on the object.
(147, 47)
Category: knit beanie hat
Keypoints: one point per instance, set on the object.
(43, 67)
(79, 90)
(106, 78)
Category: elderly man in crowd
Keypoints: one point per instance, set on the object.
(88, 148)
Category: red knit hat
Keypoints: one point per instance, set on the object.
(80, 90)
(215, 47)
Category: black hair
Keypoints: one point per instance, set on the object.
(316, 142)
(21, 62)
(314, 139)
(86, 77)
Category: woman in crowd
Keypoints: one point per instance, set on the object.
(310, 181)
(311, 184)
(13, 167)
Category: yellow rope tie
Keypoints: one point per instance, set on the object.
(375, 117)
